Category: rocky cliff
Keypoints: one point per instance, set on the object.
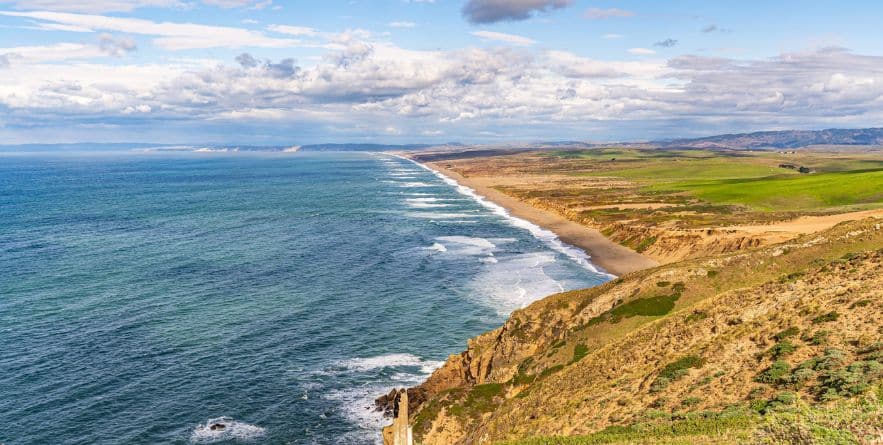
(796, 324)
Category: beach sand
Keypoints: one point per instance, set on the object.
(612, 257)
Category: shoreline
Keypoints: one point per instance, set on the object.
(613, 258)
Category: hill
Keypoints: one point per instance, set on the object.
(784, 139)
(781, 344)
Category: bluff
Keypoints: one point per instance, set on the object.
(754, 346)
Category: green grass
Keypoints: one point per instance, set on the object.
(846, 422)
(652, 306)
(699, 169)
(579, 351)
(786, 193)
(653, 433)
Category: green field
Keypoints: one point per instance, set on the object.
(692, 169)
(859, 189)
(754, 180)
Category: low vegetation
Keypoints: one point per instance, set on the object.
(753, 353)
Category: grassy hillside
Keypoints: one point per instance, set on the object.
(673, 204)
(783, 341)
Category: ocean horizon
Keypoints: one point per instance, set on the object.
(147, 295)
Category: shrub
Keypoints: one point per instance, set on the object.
(758, 406)
(663, 283)
(579, 351)
(696, 316)
(774, 373)
(645, 244)
(679, 367)
(551, 370)
(787, 333)
(659, 384)
(711, 273)
(782, 349)
(860, 303)
(825, 318)
(691, 401)
(799, 377)
(819, 337)
(850, 381)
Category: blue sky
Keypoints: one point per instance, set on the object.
(275, 72)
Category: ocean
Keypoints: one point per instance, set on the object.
(145, 296)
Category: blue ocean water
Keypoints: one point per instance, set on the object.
(144, 295)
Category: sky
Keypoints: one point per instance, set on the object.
(267, 72)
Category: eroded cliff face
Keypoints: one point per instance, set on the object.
(687, 336)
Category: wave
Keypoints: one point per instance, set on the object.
(426, 205)
(225, 429)
(434, 215)
(357, 403)
(363, 364)
(513, 282)
(548, 237)
(414, 184)
(216, 150)
(439, 247)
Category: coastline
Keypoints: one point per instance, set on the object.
(613, 258)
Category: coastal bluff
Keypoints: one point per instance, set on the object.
(716, 349)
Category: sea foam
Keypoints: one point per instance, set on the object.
(548, 237)
(232, 430)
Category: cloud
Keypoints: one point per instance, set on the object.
(641, 51)
(401, 24)
(293, 30)
(361, 85)
(612, 36)
(4, 61)
(168, 35)
(667, 43)
(104, 6)
(92, 6)
(573, 66)
(252, 4)
(51, 53)
(492, 11)
(503, 37)
(116, 46)
(599, 13)
(714, 28)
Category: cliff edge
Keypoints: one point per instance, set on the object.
(721, 349)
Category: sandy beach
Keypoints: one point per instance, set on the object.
(612, 257)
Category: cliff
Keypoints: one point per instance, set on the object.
(721, 344)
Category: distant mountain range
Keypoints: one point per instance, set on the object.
(783, 139)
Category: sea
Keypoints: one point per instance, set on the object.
(146, 296)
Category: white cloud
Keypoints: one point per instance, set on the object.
(503, 37)
(92, 6)
(293, 30)
(363, 84)
(51, 53)
(104, 6)
(599, 13)
(253, 4)
(168, 35)
(612, 36)
(401, 24)
(641, 51)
